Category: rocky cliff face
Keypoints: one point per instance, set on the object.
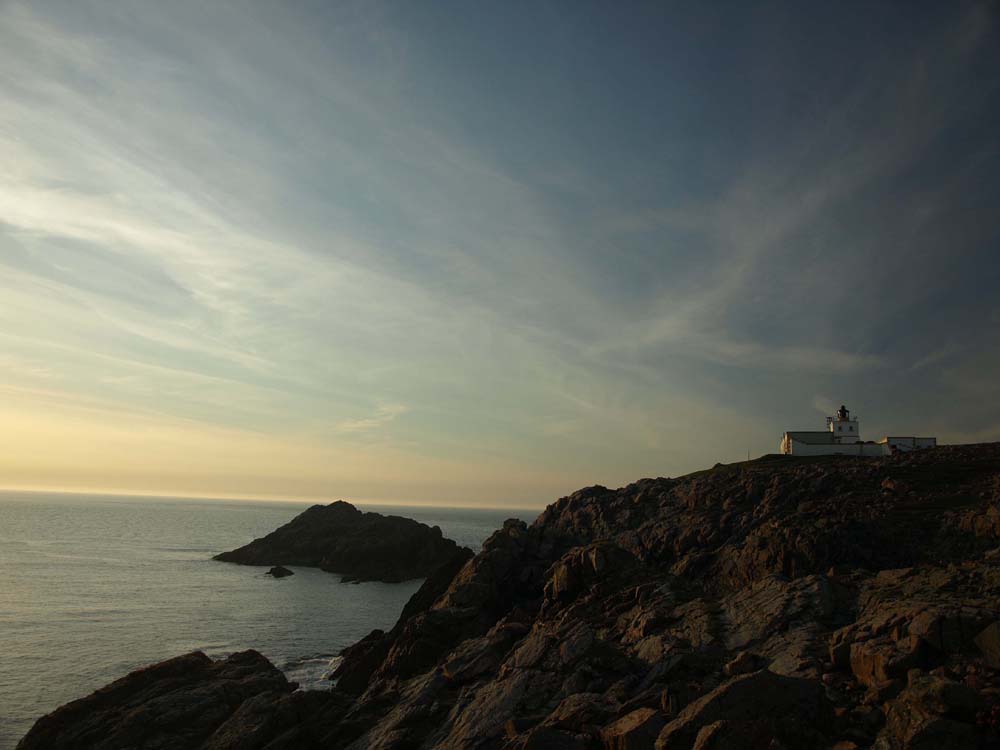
(782, 603)
(360, 546)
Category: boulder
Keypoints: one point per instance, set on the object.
(988, 643)
(877, 660)
(734, 735)
(582, 710)
(743, 663)
(580, 568)
(180, 703)
(793, 708)
(932, 712)
(549, 738)
(280, 571)
(637, 730)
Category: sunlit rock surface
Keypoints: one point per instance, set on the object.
(783, 602)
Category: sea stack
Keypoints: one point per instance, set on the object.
(359, 546)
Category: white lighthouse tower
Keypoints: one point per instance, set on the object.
(843, 427)
(842, 437)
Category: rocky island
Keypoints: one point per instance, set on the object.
(827, 602)
(359, 546)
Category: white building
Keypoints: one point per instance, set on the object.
(843, 437)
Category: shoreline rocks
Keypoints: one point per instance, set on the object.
(189, 701)
(280, 571)
(359, 546)
(775, 603)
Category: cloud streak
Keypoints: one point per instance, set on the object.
(341, 231)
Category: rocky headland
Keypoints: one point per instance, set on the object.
(359, 546)
(829, 602)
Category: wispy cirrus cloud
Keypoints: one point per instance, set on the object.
(384, 414)
(338, 226)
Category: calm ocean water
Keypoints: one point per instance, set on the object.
(92, 587)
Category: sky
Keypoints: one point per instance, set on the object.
(486, 253)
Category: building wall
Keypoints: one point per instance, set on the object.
(908, 443)
(841, 449)
(846, 431)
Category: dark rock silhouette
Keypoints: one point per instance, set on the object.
(189, 701)
(784, 602)
(280, 571)
(360, 546)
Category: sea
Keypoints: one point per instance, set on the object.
(92, 587)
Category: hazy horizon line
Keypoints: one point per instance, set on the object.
(229, 497)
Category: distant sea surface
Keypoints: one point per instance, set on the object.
(92, 587)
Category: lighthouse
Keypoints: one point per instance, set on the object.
(842, 436)
(843, 427)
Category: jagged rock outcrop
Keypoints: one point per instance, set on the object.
(189, 701)
(360, 546)
(781, 603)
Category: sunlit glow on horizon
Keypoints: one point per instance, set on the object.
(266, 251)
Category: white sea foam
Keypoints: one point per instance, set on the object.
(311, 672)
